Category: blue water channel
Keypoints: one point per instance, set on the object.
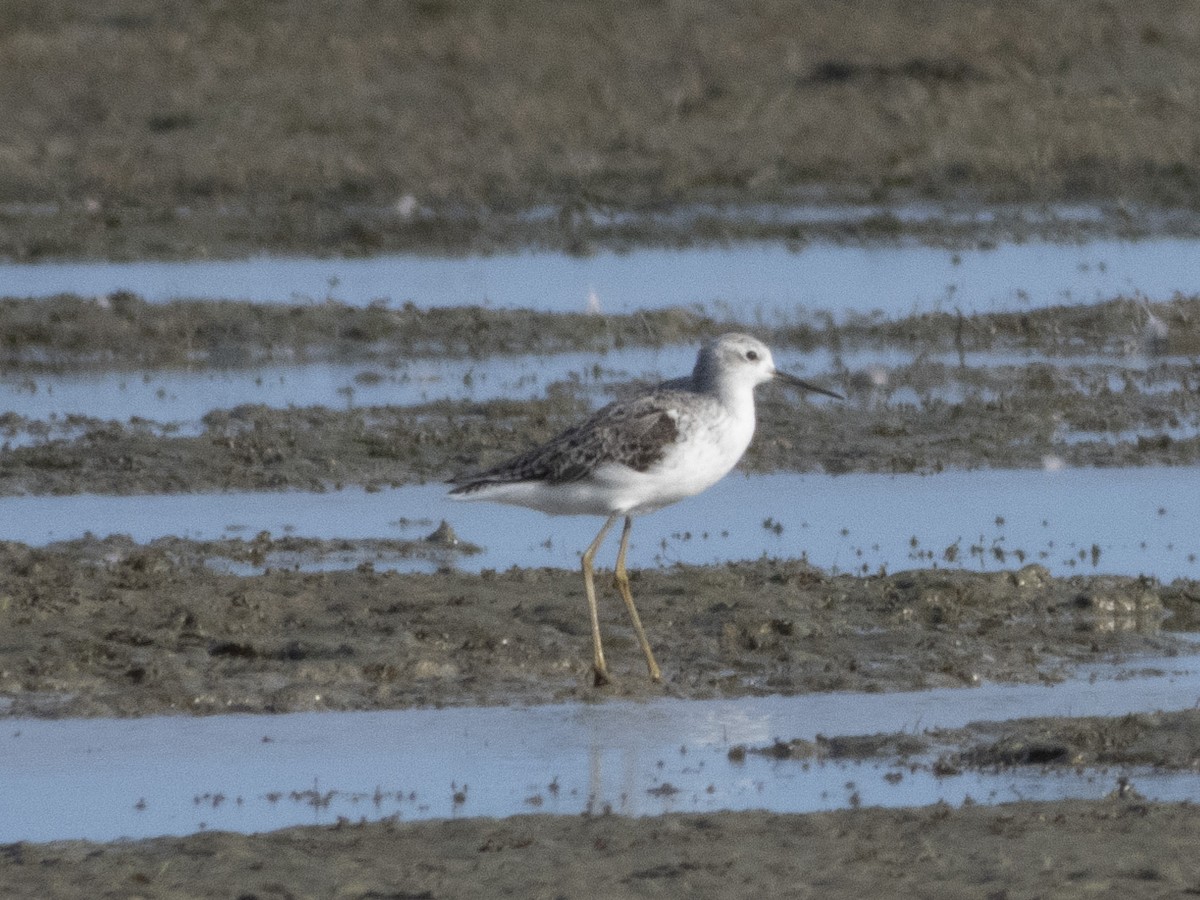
(106, 779)
(749, 282)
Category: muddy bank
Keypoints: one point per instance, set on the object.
(124, 332)
(183, 130)
(1161, 740)
(1164, 741)
(1116, 847)
(124, 629)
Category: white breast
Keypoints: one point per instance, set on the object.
(709, 446)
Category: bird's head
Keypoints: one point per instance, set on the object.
(737, 360)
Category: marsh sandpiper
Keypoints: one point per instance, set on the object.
(639, 454)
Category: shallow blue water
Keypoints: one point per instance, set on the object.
(104, 779)
(1141, 521)
(184, 396)
(749, 282)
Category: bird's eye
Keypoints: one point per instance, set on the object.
(752, 355)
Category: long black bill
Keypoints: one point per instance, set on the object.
(806, 386)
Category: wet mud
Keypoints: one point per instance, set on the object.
(126, 629)
(115, 628)
(1120, 847)
(1164, 741)
(122, 331)
(1160, 740)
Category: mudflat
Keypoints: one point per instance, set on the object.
(127, 629)
(1111, 848)
(183, 130)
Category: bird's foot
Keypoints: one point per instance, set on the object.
(599, 676)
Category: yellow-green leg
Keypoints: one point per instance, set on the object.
(621, 577)
(599, 669)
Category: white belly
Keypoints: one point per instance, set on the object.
(712, 444)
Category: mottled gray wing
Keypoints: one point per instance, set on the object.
(635, 433)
